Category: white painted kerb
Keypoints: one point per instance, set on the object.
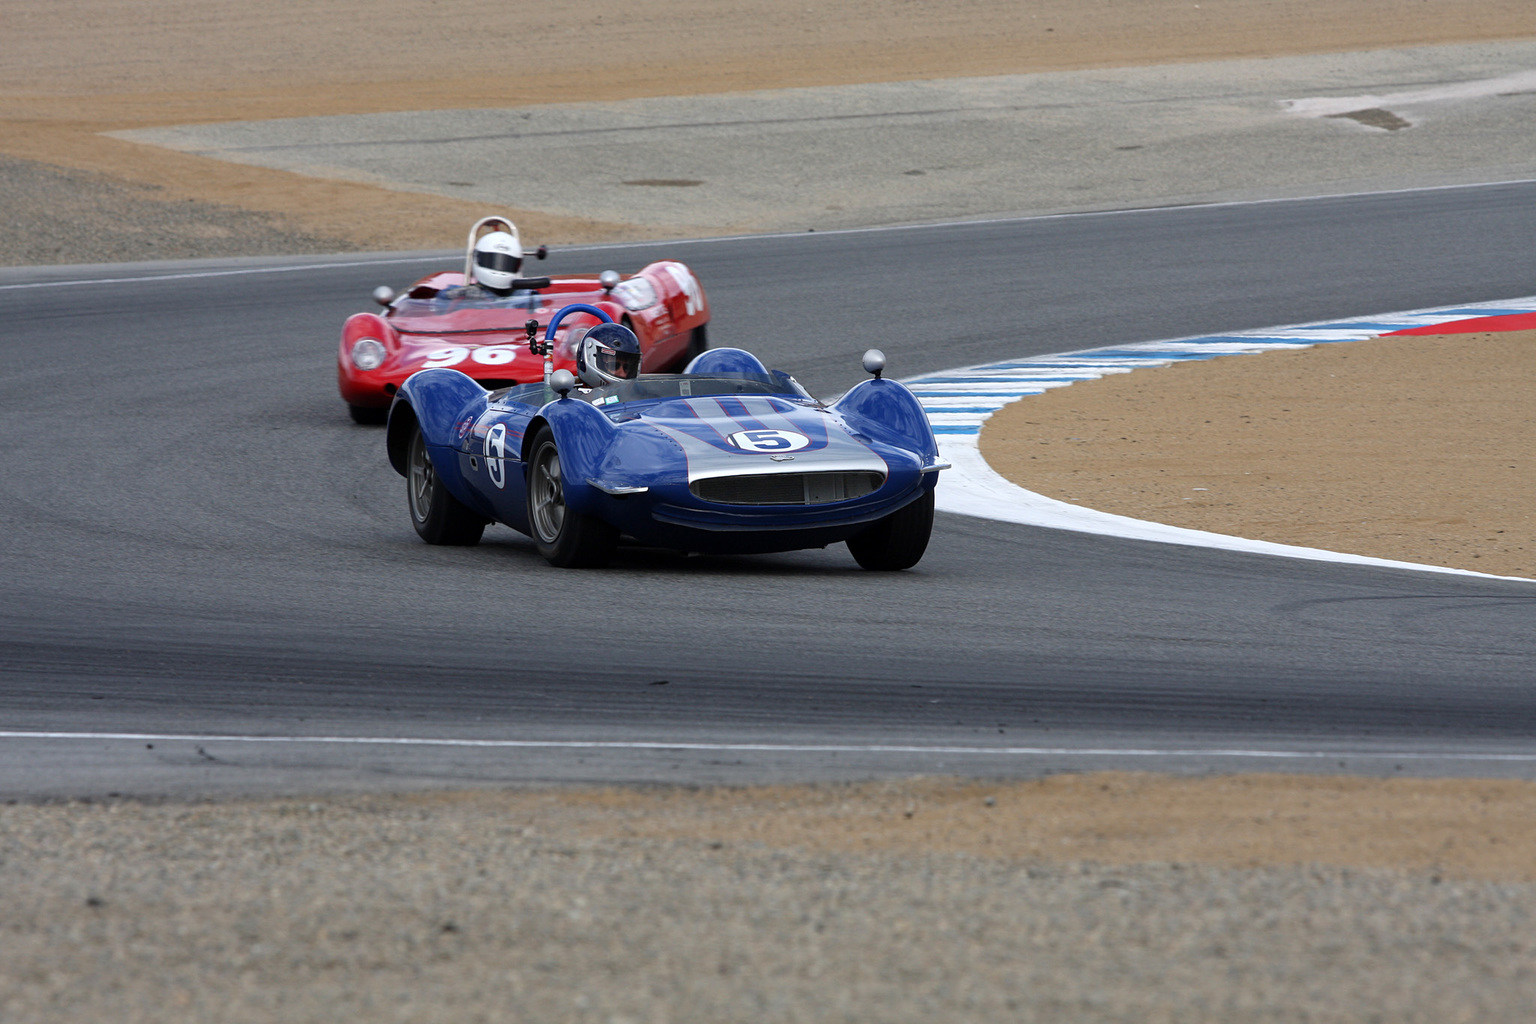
(974, 488)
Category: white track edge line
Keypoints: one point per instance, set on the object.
(1028, 218)
(233, 272)
(792, 748)
(874, 229)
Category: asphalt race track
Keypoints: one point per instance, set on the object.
(198, 543)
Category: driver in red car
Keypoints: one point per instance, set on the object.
(495, 261)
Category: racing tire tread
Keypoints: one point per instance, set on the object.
(698, 343)
(444, 519)
(898, 541)
(368, 415)
(583, 541)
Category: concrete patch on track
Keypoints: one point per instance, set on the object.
(960, 401)
(1383, 111)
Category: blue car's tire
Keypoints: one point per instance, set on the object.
(438, 516)
(897, 541)
(570, 540)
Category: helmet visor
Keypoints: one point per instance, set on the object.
(623, 365)
(501, 262)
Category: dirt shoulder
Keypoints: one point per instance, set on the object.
(82, 67)
(1082, 899)
(1418, 448)
(1240, 821)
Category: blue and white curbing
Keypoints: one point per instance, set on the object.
(960, 401)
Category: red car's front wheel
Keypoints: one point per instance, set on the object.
(368, 415)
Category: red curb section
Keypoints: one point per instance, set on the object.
(1477, 325)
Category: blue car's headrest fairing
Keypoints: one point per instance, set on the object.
(726, 360)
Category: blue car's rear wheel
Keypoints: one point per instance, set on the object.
(438, 516)
(897, 541)
(565, 538)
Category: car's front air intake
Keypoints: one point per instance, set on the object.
(787, 488)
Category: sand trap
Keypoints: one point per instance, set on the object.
(1417, 448)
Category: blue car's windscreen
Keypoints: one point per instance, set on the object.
(651, 386)
(660, 386)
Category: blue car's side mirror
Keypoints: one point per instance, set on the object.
(874, 362)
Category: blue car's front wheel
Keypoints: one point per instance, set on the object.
(438, 516)
(565, 538)
(898, 541)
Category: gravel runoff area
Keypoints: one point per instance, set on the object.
(1420, 448)
(54, 215)
(895, 902)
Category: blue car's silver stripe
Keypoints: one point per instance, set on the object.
(717, 422)
(836, 452)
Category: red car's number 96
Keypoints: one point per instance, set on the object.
(444, 357)
(491, 355)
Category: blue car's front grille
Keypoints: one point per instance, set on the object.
(787, 488)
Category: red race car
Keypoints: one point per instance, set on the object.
(481, 321)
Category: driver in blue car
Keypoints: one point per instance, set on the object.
(607, 354)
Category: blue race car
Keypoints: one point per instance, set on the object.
(723, 458)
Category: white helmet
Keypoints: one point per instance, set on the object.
(498, 257)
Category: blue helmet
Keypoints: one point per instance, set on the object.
(607, 354)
